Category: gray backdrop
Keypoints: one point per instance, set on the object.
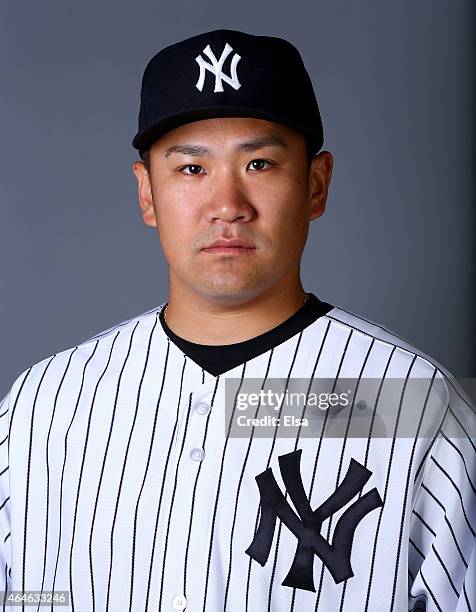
(395, 83)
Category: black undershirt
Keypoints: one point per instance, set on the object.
(217, 359)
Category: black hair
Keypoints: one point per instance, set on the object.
(144, 155)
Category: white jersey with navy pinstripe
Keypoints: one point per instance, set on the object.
(119, 485)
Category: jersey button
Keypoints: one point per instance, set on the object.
(179, 602)
(202, 408)
(197, 454)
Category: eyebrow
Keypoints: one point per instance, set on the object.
(268, 140)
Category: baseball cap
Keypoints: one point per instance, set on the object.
(227, 73)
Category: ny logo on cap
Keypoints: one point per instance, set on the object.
(216, 68)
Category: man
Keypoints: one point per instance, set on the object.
(134, 475)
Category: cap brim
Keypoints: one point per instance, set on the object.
(143, 140)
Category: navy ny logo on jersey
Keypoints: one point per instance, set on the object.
(307, 526)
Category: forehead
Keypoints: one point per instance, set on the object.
(224, 131)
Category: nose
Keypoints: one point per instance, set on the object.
(228, 199)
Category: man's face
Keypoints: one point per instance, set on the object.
(232, 178)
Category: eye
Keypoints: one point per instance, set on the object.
(258, 163)
(193, 168)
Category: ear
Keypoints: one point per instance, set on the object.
(320, 174)
(144, 192)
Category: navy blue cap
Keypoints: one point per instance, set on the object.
(227, 73)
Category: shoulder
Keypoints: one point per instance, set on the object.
(419, 364)
(365, 330)
(127, 324)
(82, 353)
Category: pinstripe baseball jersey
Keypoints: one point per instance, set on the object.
(120, 483)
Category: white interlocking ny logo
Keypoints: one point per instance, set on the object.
(216, 68)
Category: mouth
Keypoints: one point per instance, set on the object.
(224, 250)
(230, 246)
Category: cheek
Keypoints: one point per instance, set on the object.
(285, 214)
(176, 221)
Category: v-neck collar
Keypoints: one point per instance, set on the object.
(219, 359)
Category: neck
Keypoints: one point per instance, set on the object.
(213, 323)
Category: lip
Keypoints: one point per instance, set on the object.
(221, 250)
(229, 244)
